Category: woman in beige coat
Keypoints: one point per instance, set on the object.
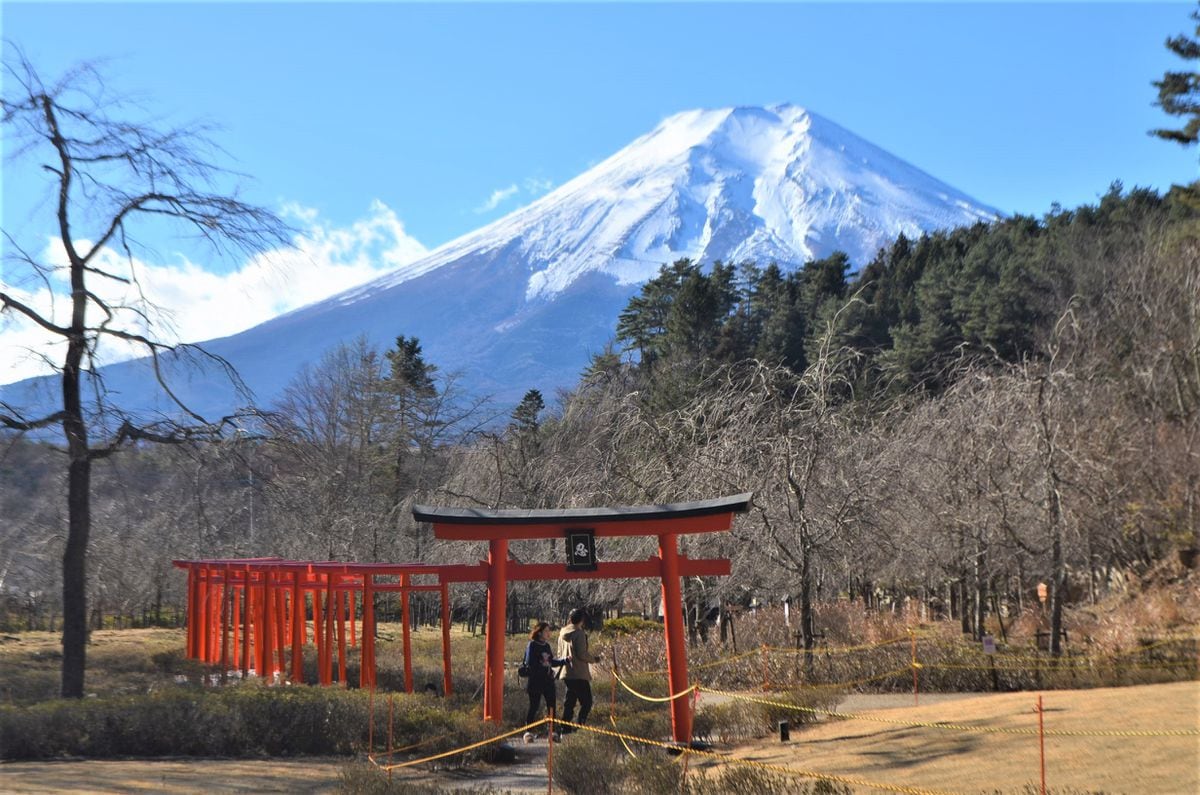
(573, 646)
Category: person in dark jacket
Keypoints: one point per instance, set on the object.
(540, 661)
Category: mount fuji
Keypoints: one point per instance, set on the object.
(522, 302)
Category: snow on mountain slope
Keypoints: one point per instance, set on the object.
(778, 183)
(522, 302)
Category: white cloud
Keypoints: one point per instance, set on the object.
(536, 186)
(198, 304)
(499, 195)
(531, 186)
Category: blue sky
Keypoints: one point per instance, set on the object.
(425, 121)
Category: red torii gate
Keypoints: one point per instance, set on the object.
(498, 527)
(267, 601)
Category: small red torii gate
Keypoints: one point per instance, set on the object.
(667, 522)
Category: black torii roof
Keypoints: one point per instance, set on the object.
(612, 516)
(738, 503)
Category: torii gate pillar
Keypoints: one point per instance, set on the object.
(497, 615)
(677, 671)
(667, 522)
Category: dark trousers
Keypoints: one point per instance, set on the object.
(578, 690)
(537, 694)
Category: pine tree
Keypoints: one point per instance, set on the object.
(525, 415)
(411, 375)
(823, 293)
(701, 306)
(784, 326)
(824, 279)
(1179, 92)
(642, 325)
(411, 385)
(741, 329)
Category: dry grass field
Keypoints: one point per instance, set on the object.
(120, 662)
(950, 760)
(172, 776)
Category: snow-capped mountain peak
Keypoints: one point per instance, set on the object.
(776, 183)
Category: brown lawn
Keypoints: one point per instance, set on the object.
(959, 761)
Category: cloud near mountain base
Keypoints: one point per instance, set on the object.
(187, 302)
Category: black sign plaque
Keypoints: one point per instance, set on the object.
(581, 549)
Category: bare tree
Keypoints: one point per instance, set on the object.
(108, 175)
(330, 455)
(351, 448)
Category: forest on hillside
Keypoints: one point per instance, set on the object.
(967, 415)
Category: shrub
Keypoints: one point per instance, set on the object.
(739, 779)
(175, 662)
(244, 720)
(653, 724)
(364, 778)
(631, 625)
(589, 763)
(795, 706)
(730, 722)
(652, 772)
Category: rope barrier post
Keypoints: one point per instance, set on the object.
(391, 705)
(915, 665)
(550, 752)
(612, 702)
(371, 723)
(1042, 742)
(687, 751)
(612, 697)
